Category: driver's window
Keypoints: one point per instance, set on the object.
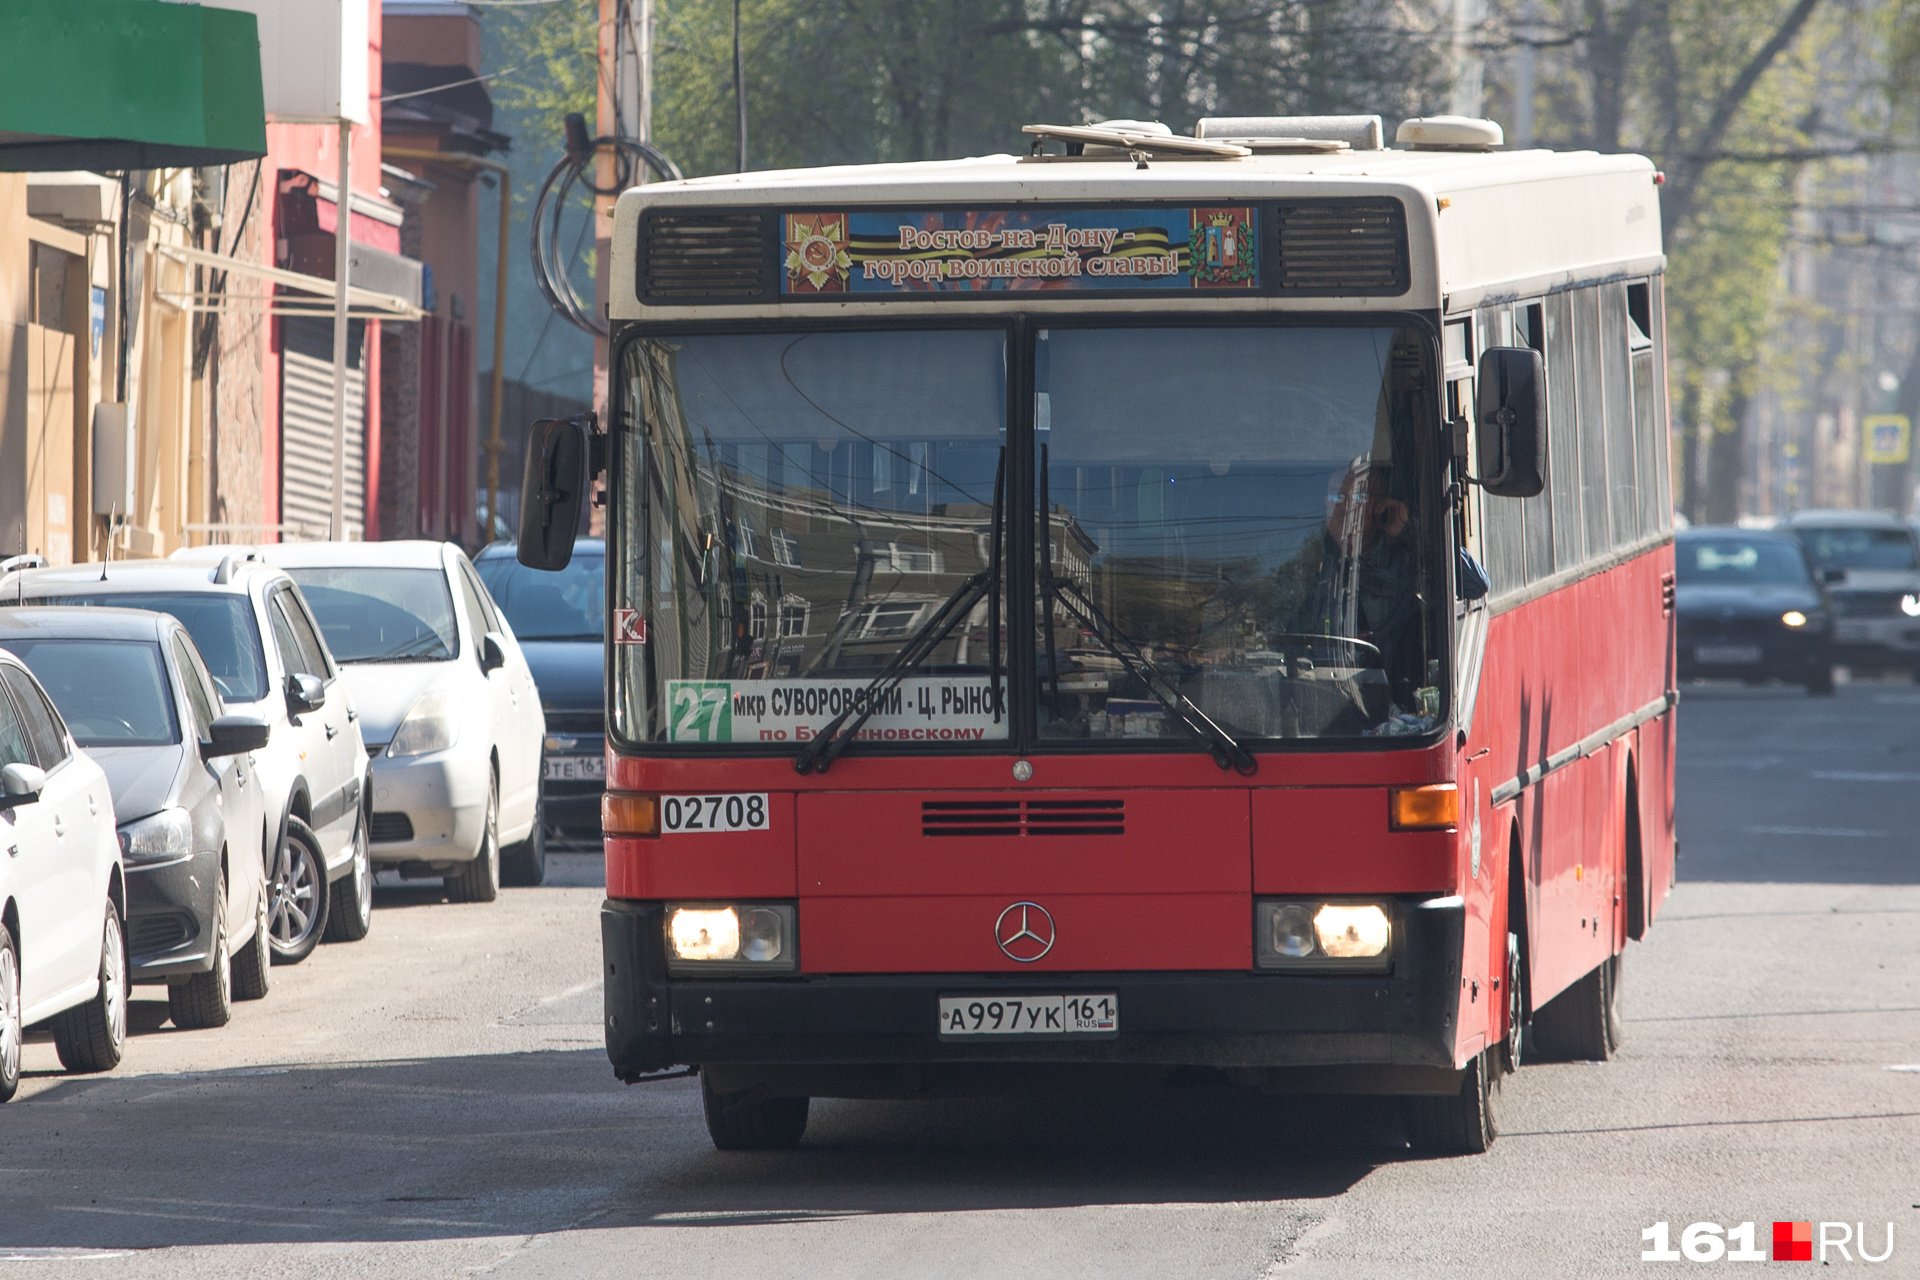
(13, 738)
(199, 696)
(300, 653)
(476, 616)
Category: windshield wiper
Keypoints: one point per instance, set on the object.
(1226, 749)
(819, 754)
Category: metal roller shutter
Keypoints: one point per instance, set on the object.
(306, 424)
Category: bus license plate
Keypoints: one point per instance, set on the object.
(1726, 654)
(576, 769)
(735, 811)
(1029, 1015)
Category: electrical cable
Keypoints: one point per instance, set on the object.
(549, 269)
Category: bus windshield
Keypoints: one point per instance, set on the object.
(1234, 522)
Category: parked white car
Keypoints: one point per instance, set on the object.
(264, 650)
(63, 952)
(448, 708)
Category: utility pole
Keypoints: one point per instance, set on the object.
(625, 110)
(1469, 66)
(342, 235)
(739, 95)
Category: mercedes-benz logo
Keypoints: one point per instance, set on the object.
(1024, 931)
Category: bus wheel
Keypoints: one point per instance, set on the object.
(1464, 1124)
(738, 1122)
(1582, 1023)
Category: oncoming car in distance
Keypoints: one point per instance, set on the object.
(267, 659)
(1870, 562)
(63, 952)
(135, 694)
(1749, 608)
(447, 706)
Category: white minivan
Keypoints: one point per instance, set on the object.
(448, 707)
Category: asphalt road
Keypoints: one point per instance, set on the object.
(435, 1102)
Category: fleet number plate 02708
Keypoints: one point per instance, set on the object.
(1029, 1015)
(731, 811)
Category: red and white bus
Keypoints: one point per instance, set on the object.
(1153, 606)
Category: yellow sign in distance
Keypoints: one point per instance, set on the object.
(1889, 437)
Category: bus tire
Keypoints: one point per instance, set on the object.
(1582, 1023)
(739, 1122)
(1464, 1124)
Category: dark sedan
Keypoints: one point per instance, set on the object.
(137, 695)
(560, 620)
(1750, 608)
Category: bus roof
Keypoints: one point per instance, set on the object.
(1479, 227)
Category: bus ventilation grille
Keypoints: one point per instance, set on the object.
(703, 257)
(1023, 818)
(1357, 246)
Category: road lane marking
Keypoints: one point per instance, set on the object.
(58, 1253)
(1844, 833)
(1856, 775)
(1904, 1066)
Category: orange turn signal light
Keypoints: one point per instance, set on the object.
(629, 813)
(1433, 808)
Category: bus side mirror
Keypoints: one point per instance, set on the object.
(1513, 422)
(553, 488)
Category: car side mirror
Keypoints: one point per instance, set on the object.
(21, 784)
(560, 469)
(305, 693)
(493, 654)
(1831, 576)
(1513, 422)
(236, 735)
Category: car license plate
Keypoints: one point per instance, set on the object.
(576, 769)
(734, 811)
(1029, 1015)
(1726, 654)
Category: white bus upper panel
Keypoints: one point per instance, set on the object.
(1476, 227)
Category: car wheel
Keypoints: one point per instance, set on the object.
(253, 966)
(92, 1036)
(1582, 1023)
(737, 1122)
(298, 914)
(350, 914)
(10, 1029)
(206, 999)
(479, 880)
(1464, 1124)
(525, 864)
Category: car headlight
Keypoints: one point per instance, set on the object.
(166, 834)
(1344, 937)
(1794, 618)
(432, 725)
(756, 936)
(1910, 605)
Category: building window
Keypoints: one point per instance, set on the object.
(793, 616)
(914, 560)
(743, 542)
(786, 548)
(757, 616)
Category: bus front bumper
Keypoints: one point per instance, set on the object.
(861, 1035)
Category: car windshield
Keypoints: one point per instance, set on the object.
(1855, 548)
(221, 625)
(382, 615)
(1234, 519)
(112, 693)
(1739, 562)
(568, 605)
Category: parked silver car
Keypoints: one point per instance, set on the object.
(268, 659)
(134, 693)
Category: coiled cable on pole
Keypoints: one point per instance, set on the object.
(574, 169)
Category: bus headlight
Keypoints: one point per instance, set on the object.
(708, 937)
(1342, 937)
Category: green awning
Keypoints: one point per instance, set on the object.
(128, 84)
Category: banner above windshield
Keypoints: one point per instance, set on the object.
(1071, 250)
(918, 709)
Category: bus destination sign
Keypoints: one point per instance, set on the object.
(918, 709)
(894, 254)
